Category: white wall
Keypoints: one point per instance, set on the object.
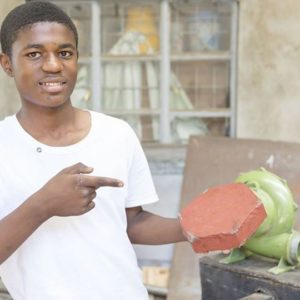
(9, 102)
(269, 70)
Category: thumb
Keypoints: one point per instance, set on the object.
(77, 169)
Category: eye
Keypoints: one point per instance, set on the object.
(66, 54)
(34, 54)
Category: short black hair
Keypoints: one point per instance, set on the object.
(28, 14)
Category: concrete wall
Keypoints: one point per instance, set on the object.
(9, 102)
(269, 70)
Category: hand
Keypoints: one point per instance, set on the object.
(71, 191)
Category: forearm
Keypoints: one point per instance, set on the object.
(16, 227)
(149, 229)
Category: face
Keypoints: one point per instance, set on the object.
(43, 64)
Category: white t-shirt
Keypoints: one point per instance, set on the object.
(81, 257)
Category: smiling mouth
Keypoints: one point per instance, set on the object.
(52, 87)
(52, 84)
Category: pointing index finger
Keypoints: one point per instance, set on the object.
(97, 181)
(106, 181)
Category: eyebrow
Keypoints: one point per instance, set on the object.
(40, 46)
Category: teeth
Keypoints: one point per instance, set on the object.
(52, 83)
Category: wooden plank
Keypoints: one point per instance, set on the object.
(212, 161)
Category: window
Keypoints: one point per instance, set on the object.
(167, 66)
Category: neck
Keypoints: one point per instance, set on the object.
(56, 126)
(40, 119)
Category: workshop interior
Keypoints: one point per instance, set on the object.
(211, 89)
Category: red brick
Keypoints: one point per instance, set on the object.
(222, 217)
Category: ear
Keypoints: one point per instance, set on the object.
(6, 64)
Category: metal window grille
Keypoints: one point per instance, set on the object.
(165, 66)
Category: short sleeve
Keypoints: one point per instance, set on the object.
(141, 189)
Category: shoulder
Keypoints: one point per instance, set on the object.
(114, 131)
(6, 133)
(110, 124)
(6, 126)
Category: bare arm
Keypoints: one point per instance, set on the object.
(69, 193)
(150, 229)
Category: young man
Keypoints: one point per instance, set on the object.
(60, 236)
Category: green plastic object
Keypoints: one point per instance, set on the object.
(275, 238)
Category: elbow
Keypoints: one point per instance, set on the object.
(132, 232)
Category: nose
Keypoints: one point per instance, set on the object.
(52, 64)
